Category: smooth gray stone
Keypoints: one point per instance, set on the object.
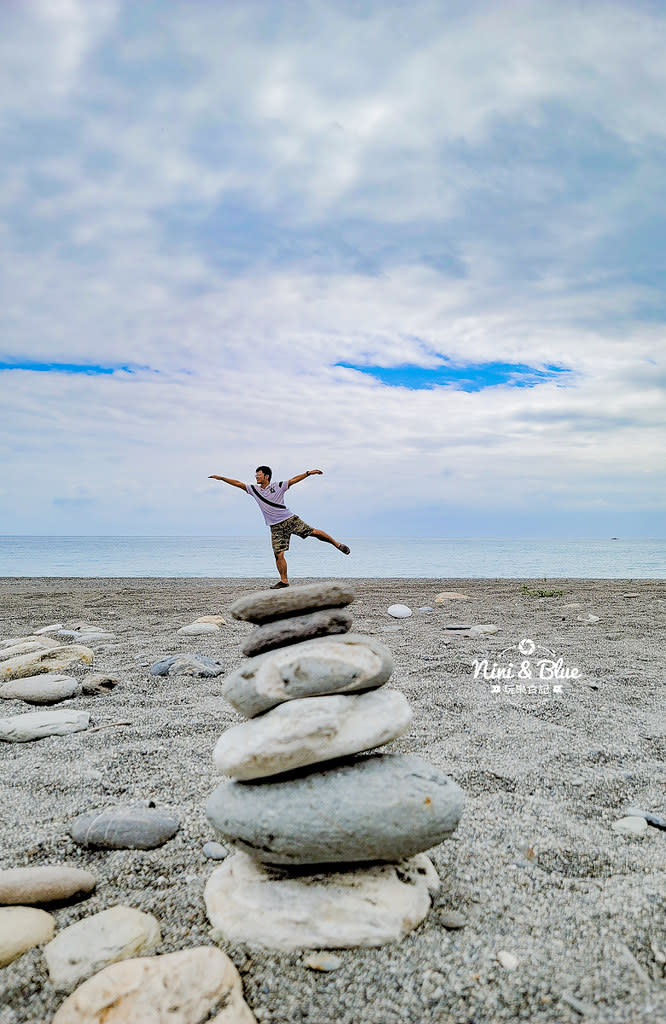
(652, 819)
(123, 828)
(296, 629)
(377, 808)
(47, 688)
(37, 725)
(336, 664)
(215, 851)
(187, 665)
(98, 683)
(268, 605)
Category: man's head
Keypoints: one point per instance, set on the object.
(263, 475)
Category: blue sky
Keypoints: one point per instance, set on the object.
(421, 247)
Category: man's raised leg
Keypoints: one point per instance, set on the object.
(320, 535)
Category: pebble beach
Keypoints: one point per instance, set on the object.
(544, 701)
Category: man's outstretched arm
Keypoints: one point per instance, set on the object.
(302, 476)
(227, 480)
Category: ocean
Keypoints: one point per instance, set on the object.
(432, 557)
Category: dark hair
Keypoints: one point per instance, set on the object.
(265, 469)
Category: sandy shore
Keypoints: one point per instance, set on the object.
(535, 866)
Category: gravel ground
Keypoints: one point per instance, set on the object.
(534, 867)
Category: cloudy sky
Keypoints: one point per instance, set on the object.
(420, 246)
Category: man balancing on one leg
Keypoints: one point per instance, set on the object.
(282, 521)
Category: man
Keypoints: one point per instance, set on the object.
(282, 521)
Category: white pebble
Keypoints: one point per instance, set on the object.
(399, 611)
(508, 960)
(323, 962)
(631, 826)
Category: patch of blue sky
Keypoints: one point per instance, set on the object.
(469, 377)
(91, 369)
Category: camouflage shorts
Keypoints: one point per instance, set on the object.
(281, 532)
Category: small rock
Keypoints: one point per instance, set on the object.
(508, 960)
(22, 928)
(217, 620)
(484, 629)
(199, 629)
(322, 962)
(215, 851)
(45, 884)
(89, 635)
(312, 729)
(296, 629)
(269, 605)
(48, 688)
(399, 611)
(97, 684)
(124, 828)
(632, 594)
(36, 725)
(571, 607)
(54, 659)
(588, 619)
(93, 943)
(345, 664)
(361, 906)
(459, 626)
(187, 665)
(426, 609)
(652, 819)
(631, 826)
(452, 919)
(177, 988)
(25, 647)
(450, 595)
(54, 627)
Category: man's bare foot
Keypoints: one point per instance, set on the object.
(280, 585)
(344, 548)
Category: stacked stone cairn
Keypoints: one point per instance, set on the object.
(328, 838)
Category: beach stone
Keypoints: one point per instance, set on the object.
(89, 635)
(98, 683)
(399, 611)
(93, 943)
(379, 807)
(273, 908)
(187, 665)
(459, 626)
(652, 819)
(36, 725)
(217, 620)
(22, 928)
(450, 595)
(124, 828)
(49, 688)
(215, 851)
(24, 647)
(269, 605)
(199, 629)
(54, 659)
(46, 884)
(193, 985)
(345, 664)
(631, 826)
(509, 961)
(322, 962)
(426, 609)
(296, 629)
(54, 627)
(484, 629)
(452, 919)
(573, 606)
(311, 730)
(588, 619)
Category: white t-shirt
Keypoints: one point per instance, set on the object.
(267, 498)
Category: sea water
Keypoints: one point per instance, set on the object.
(432, 557)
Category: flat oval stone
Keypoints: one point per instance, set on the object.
(54, 659)
(296, 629)
(93, 943)
(360, 906)
(381, 807)
(48, 688)
(37, 725)
(199, 629)
(45, 884)
(310, 730)
(177, 988)
(187, 665)
(346, 664)
(22, 928)
(124, 828)
(268, 605)
(399, 611)
(98, 683)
